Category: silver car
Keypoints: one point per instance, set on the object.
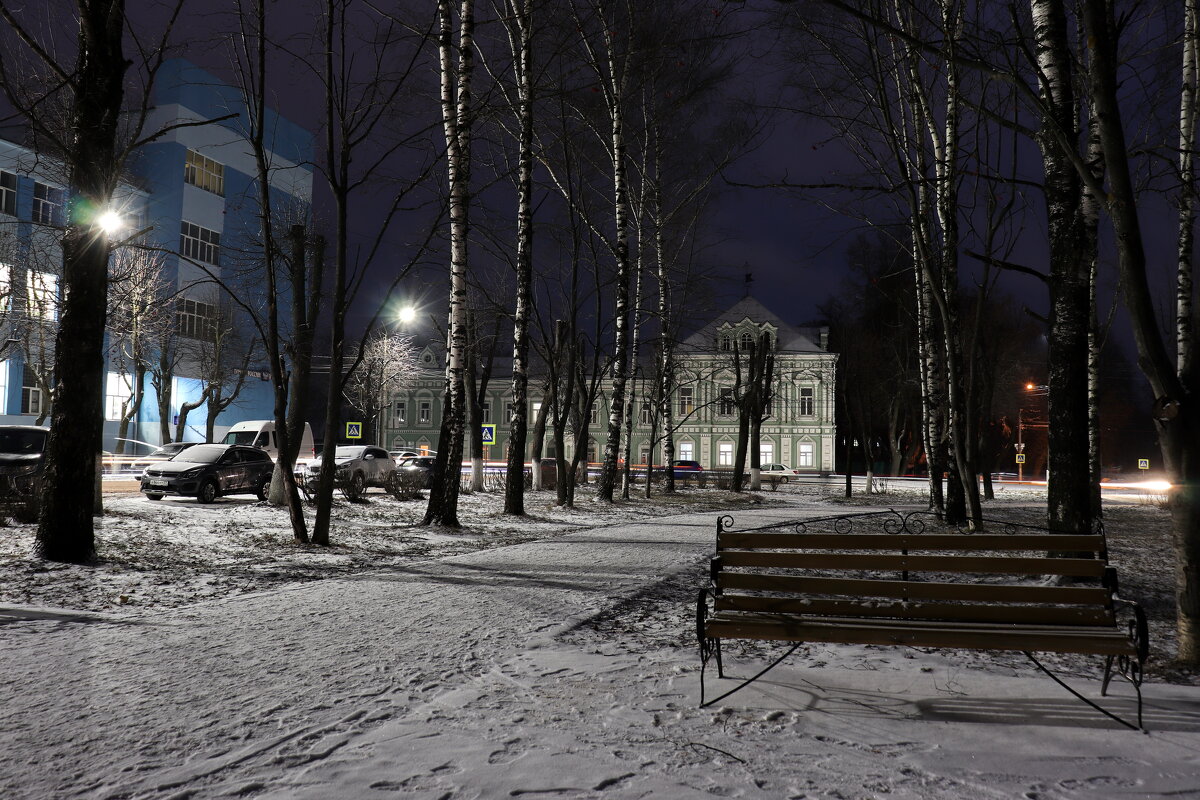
(358, 467)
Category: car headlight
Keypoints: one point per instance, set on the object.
(192, 473)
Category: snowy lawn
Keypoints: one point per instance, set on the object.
(550, 657)
(176, 552)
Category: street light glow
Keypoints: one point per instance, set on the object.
(110, 222)
(407, 314)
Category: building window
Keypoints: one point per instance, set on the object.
(725, 403)
(8, 193)
(512, 412)
(43, 295)
(805, 455)
(644, 455)
(806, 402)
(199, 244)
(686, 451)
(401, 412)
(5, 288)
(204, 173)
(485, 412)
(687, 400)
(197, 320)
(46, 203)
(725, 454)
(594, 415)
(747, 343)
(725, 343)
(31, 394)
(766, 453)
(425, 412)
(644, 414)
(117, 395)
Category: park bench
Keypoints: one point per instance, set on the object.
(885, 578)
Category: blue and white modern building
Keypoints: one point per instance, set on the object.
(194, 189)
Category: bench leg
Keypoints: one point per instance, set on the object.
(1099, 708)
(744, 683)
(1108, 663)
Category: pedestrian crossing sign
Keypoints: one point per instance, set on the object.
(1020, 458)
(489, 434)
(353, 430)
(1143, 463)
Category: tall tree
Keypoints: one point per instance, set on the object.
(88, 80)
(456, 61)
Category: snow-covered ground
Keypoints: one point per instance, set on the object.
(209, 656)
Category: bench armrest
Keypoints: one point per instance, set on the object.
(1139, 631)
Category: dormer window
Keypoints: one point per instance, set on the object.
(725, 343)
(747, 342)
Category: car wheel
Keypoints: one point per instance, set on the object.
(356, 487)
(783, 480)
(264, 486)
(150, 496)
(208, 491)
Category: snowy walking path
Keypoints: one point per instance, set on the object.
(476, 676)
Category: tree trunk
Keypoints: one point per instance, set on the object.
(456, 108)
(65, 531)
(1176, 415)
(1068, 495)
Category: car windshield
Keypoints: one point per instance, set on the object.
(240, 437)
(201, 454)
(22, 441)
(349, 452)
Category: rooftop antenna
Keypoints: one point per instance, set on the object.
(749, 280)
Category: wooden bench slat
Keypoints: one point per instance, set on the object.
(1027, 614)
(912, 590)
(891, 562)
(1063, 543)
(951, 636)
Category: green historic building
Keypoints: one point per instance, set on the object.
(799, 431)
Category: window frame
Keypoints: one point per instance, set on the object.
(687, 400)
(198, 243)
(206, 174)
(47, 203)
(807, 403)
(8, 193)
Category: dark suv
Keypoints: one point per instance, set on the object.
(209, 471)
(21, 459)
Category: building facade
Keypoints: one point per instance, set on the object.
(799, 431)
(193, 191)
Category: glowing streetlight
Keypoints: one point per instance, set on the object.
(110, 222)
(406, 314)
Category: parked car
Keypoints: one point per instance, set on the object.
(418, 470)
(686, 469)
(779, 472)
(22, 448)
(397, 455)
(164, 453)
(209, 471)
(358, 467)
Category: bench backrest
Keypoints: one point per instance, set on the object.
(1024, 577)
